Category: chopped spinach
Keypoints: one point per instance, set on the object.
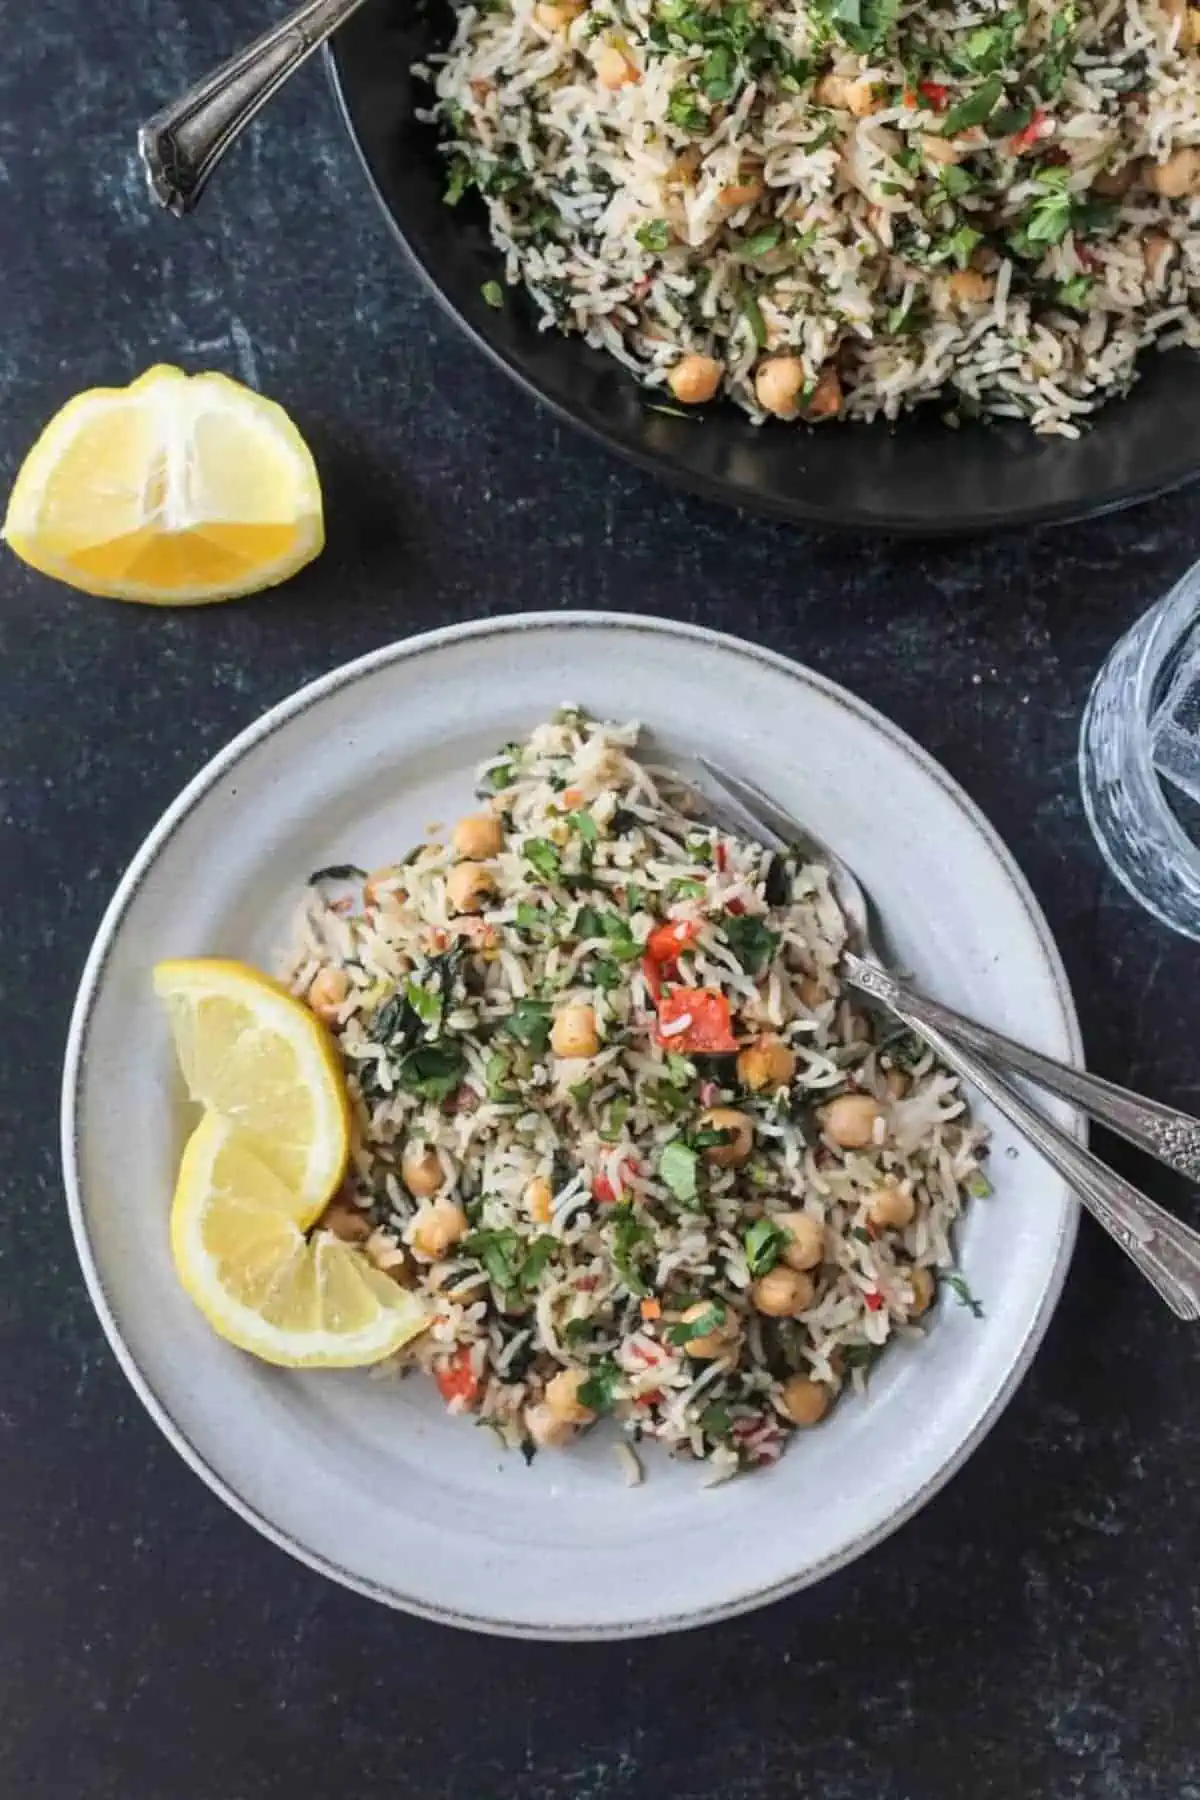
(529, 1022)
(678, 1164)
(752, 942)
(599, 1391)
(976, 109)
(629, 1237)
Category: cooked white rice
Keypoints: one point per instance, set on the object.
(989, 207)
(593, 1230)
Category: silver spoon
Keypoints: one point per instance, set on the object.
(1166, 1251)
(182, 145)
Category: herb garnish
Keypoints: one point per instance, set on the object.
(541, 854)
(962, 1293)
(687, 1330)
(677, 1165)
(764, 1245)
(599, 1391)
(529, 1022)
(752, 942)
(654, 236)
(338, 872)
(976, 109)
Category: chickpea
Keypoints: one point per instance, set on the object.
(421, 1171)
(557, 15)
(805, 1402)
(967, 287)
(713, 1343)
(539, 1198)
(939, 149)
(811, 992)
(778, 385)
(373, 885)
(739, 1146)
(1158, 252)
(346, 1221)
(782, 1293)
(806, 1239)
(850, 1120)
(438, 1226)
(741, 193)
(469, 886)
(924, 1287)
(574, 1032)
(478, 836)
(825, 401)
(767, 1064)
(1179, 175)
(325, 995)
(613, 68)
(562, 1397)
(1114, 184)
(857, 97)
(695, 379)
(891, 1208)
(546, 1429)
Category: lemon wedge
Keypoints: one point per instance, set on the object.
(254, 1054)
(176, 490)
(237, 1236)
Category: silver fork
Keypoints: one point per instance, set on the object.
(1166, 1251)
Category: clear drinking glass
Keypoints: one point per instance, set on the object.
(1139, 758)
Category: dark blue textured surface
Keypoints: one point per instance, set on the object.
(1036, 1631)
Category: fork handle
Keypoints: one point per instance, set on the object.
(182, 145)
(1164, 1250)
(1173, 1137)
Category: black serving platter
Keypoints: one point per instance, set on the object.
(917, 477)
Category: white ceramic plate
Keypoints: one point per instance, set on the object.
(372, 1482)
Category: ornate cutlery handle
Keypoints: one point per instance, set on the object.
(1173, 1137)
(1166, 1251)
(182, 145)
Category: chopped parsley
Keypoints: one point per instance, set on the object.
(684, 110)
(962, 1293)
(751, 941)
(677, 1166)
(585, 825)
(654, 236)
(764, 1244)
(629, 1237)
(493, 293)
(529, 1022)
(541, 854)
(687, 1330)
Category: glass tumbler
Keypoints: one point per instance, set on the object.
(1139, 758)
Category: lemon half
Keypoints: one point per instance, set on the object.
(176, 490)
(237, 1237)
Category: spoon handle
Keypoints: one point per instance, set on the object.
(182, 145)
(1166, 1251)
(1171, 1136)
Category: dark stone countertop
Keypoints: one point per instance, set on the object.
(1035, 1631)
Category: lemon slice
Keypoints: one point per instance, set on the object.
(237, 1236)
(176, 490)
(257, 1056)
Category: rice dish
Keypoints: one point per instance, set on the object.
(841, 208)
(616, 1118)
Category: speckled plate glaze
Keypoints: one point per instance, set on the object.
(370, 1481)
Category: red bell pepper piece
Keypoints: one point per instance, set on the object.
(666, 941)
(456, 1379)
(707, 1031)
(936, 93)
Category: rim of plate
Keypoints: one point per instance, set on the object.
(193, 794)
